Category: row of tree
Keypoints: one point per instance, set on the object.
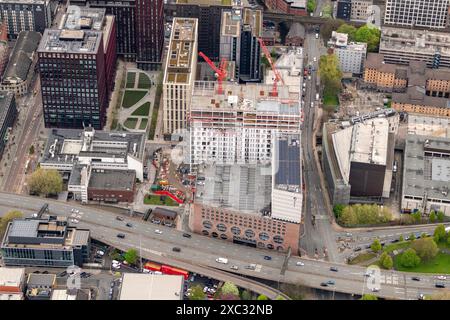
(45, 182)
(362, 214)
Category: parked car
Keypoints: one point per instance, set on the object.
(62, 274)
(334, 269)
(357, 249)
(324, 284)
(299, 263)
(375, 289)
(158, 231)
(187, 235)
(45, 272)
(129, 225)
(234, 267)
(331, 282)
(121, 236)
(442, 277)
(119, 218)
(439, 285)
(267, 258)
(415, 278)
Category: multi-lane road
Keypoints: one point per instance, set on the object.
(201, 251)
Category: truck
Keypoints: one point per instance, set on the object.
(222, 260)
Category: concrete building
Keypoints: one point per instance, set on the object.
(239, 44)
(179, 74)
(358, 160)
(71, 294)
(45, 242)
(8, 115)
(400, 46)
(426, 175)
(417, 13)
(361, 10)
(25, 15)
(21, 65)
(296, 35)
(424, 125)
(96, 155)
(138, 286)
(351, 55)
(40, 286)
(12, 283)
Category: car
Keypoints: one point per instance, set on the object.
(176, 249)
(357, 249)
(441, 277)
(439, 285)
(324, 284)
(334, 269)
(331, 282)
(317, 36)
(309, 77)
(314, 59)
(415, 278)
(121, 236)
(375, 289)
(168, 224)
(119, 218)
(62, 274)
(395, 240)
(267, 258)
(234, 267)
(156, 221)
(187, 235)
(100, 252)
(45, 272)
(75, 210)
(367, 274)
(158, 231)
(422, 296)
(129, 225)
(299, 263)
(36, 271)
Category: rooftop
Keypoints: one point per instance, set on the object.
(41, 280)
(416, 95)
(234, 19)
(296, 30)
(138, 286)
(288, 167)
(290, 66)
(112, 179)
(11, 277)
(70, 41)
(428, 125)
(68, 294)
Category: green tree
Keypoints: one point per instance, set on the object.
(31, 150)
(45, 181)
(432, 216)
(131, 256)
(386, 261)
(401, 239)
(376, 246)
(311, 6)
(246, 295)
(409, 259)
(369, 35)
(417, 216)
(327, 11)
(262, 297)
(440, 216)
(425, 248)
(439, 233)
(448, 240)
(369, 297)
(348, 29)
(7, 218)
(411, 236)
(279, 298)
(330, 72)
(337, 209)
(197, 293)
(328, 27)
(229, 288)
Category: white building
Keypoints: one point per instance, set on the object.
(361, 10)
(138, 286)
(351, 55)
(179, 74)
(12, 282)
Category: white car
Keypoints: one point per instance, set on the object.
(73, 215)
(442, 277)
(299, 263)
(375, 289)
(74, 220)
(314, 59)
(158, 231)
(75, 210)
(234, 267)
(100, 253)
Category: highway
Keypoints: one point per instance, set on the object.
(201, 251)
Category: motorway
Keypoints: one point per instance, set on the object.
(201, 251)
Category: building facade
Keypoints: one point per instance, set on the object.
(295, 7)
(351, 55)
(343, 9)
(8, 115)
(12, 283)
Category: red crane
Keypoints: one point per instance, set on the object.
(221, 72)
(277, 74)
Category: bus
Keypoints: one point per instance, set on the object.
(174, 271)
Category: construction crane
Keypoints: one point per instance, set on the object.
(277, 74)
(220, 72)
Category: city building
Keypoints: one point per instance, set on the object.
(4, 48)
(71, 294)
(357, 160)
(46, 242)
(417, 13)
(400, 46)
(21, 65)
(96, 163)
(424, 125)
(164, 214)
(415, 100)
(40, 286)
(138, 286)
(25, 15)
(83, 18)
(179, 74)
(295, 7)
(361, 10)
(351, 55)
(73, 78)
(8, 115)
(296, 35)
(270, 37)
(239, 44)
(343, 9)
(12, 283)
(426, 175)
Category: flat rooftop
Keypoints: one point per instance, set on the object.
(138, 286)
(122, 180)
(11, 277)
(70, 41)
(416, 95)
(429, 126)
(290, 66)
(181, 53)
(288, 164)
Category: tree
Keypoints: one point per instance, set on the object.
(425, 248)
(432, 216)
(328, 27)
(31, 150)
(337, 209)
(369, 35)
(246, 295)
(440, 216)
(6, 219)
(369, 297)
(409, 259)
(401, 239)
(411, 237)
(44, 181)
(439, 233)
(448, 240)
(197, 293)
(228, 296)
(417, 216)
(279, 298)
(349, 30)
(386, 261)
(327, 11)
(311, 5)
(229, 288)
(330, 72)
(376, 246)
(131, 256)
(262, 297)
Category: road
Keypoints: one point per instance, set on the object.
(196, 252)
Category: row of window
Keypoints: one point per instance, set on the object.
(249, 233)
(258, 244)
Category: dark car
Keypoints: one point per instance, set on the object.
(186, 235)
(331, 282)
(415, 278)
(334, 269)
(267, 258)
(176, 249)
(439, 285)
(357, 249)
(119, 218)
(395, 240)
(324, 284)
(45, 272)
(36, 271)
(62, 274)
(129, 225)
(121, 236)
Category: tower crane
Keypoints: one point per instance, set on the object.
(277, 74)
(220, 72)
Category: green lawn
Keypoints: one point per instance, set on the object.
(330, 99)
(155, 199)
(396, 246)
(144, 81)
(440, 264)
(143, 124)
(142, 110)
(363, 257)
(130, 123)
(131, 76)
(131, 97)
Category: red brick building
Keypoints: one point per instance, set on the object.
(112, 185)
(287, 6)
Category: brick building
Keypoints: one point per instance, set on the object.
(112, 185)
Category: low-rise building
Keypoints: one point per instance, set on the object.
(40, 286)
(138, 286)
(71, 294)
(424, 125)
(296, 35)
(351, 55)
(8, 115)
(112, 185)
(295, 7)
(12, 283)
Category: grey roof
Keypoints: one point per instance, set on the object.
(415, 95)
(38, 280)
(80, 237)
(289, 167)
(112, 180)
(70, 41)
(22, 56)
(24, 228)
(296, 30)
(165, 212)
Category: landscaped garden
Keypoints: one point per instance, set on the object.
(144, 81)
(131, 123)
(131, 97)
(142, 110)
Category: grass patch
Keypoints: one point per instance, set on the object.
(142, 110)
(131, 97)
(151, 133)
(363, 257)
(130, 123)
(396, 246)
(144, 81)
(440, 264)
(131, 76)
(156, 200)
(143, 124)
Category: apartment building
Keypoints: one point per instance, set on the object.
(417, 13)
(25, 15)
(351, 55)
(179, 74)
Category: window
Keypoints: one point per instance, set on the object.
(214, 234)
(205, 233)
(221, 227)
(223, 236)
(278, 239)
(236, 231)
(207, 224)
(263, 236)
(249, 233)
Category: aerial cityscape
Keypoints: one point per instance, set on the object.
(224, 150)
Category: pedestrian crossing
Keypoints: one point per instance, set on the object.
(389, 279)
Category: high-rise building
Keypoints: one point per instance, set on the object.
(417, 13)
(179, 74)
(25, 15)
(239, 44)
